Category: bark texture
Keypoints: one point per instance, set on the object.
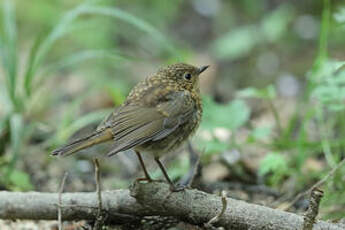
(151, 199)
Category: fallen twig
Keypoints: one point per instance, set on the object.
(60, 199)
(313, 209)
(215, 219)
(316, 185)
(99, 218)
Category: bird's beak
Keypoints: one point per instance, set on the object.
(203, 68)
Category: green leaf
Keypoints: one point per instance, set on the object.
(249, 92)
(329, 87)
(260, 133)
(231, 116)
(340, 15)
(327, 69)
(20, 180)
(266, 93)
(237, 43)
(273, 162)
(274, 25)
(215, 146)
(336, 107)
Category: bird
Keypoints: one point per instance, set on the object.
(157, 117)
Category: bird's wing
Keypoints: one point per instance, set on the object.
(134, 125)
(106, 122)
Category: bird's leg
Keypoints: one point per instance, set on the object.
(173, 187)
(147, 175)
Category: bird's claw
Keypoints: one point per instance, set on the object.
(143, 179)
(149, 180)
(178, 187)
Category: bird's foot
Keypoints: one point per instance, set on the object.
(148, 180)
(143, 179)
(178, 187)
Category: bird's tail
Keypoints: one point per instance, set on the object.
(83, 143)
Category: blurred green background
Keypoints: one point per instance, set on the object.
(274, 94)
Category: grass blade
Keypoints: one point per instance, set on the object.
(9, 50)
(63, 27)
(133, 20)
(30, 71)
(41, 49)
(16, 132)
(80, 57)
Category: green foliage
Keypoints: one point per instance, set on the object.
(214, 146)
(236, 43)
(18, 92)
(17, 180)
(231, 116)
(323, 108)
(42, 46)
(16, 130)
(177, 169)
(8, 51)
(240, 41)
(330, 86)
(340, 15)
(11, 177)
(276, 24)
(259, 134)
(80, 57)
(266, 93)
(108, 42)
(276, 164)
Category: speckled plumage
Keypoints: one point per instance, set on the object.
(152, 94)
(159, 114)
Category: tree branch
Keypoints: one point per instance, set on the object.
(151, 199)
(76, 206)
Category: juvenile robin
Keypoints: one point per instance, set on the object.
(158, 116)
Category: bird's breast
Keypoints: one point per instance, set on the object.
(176, 139)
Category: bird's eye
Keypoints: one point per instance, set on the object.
(188, 76)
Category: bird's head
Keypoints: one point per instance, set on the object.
(183, 74)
